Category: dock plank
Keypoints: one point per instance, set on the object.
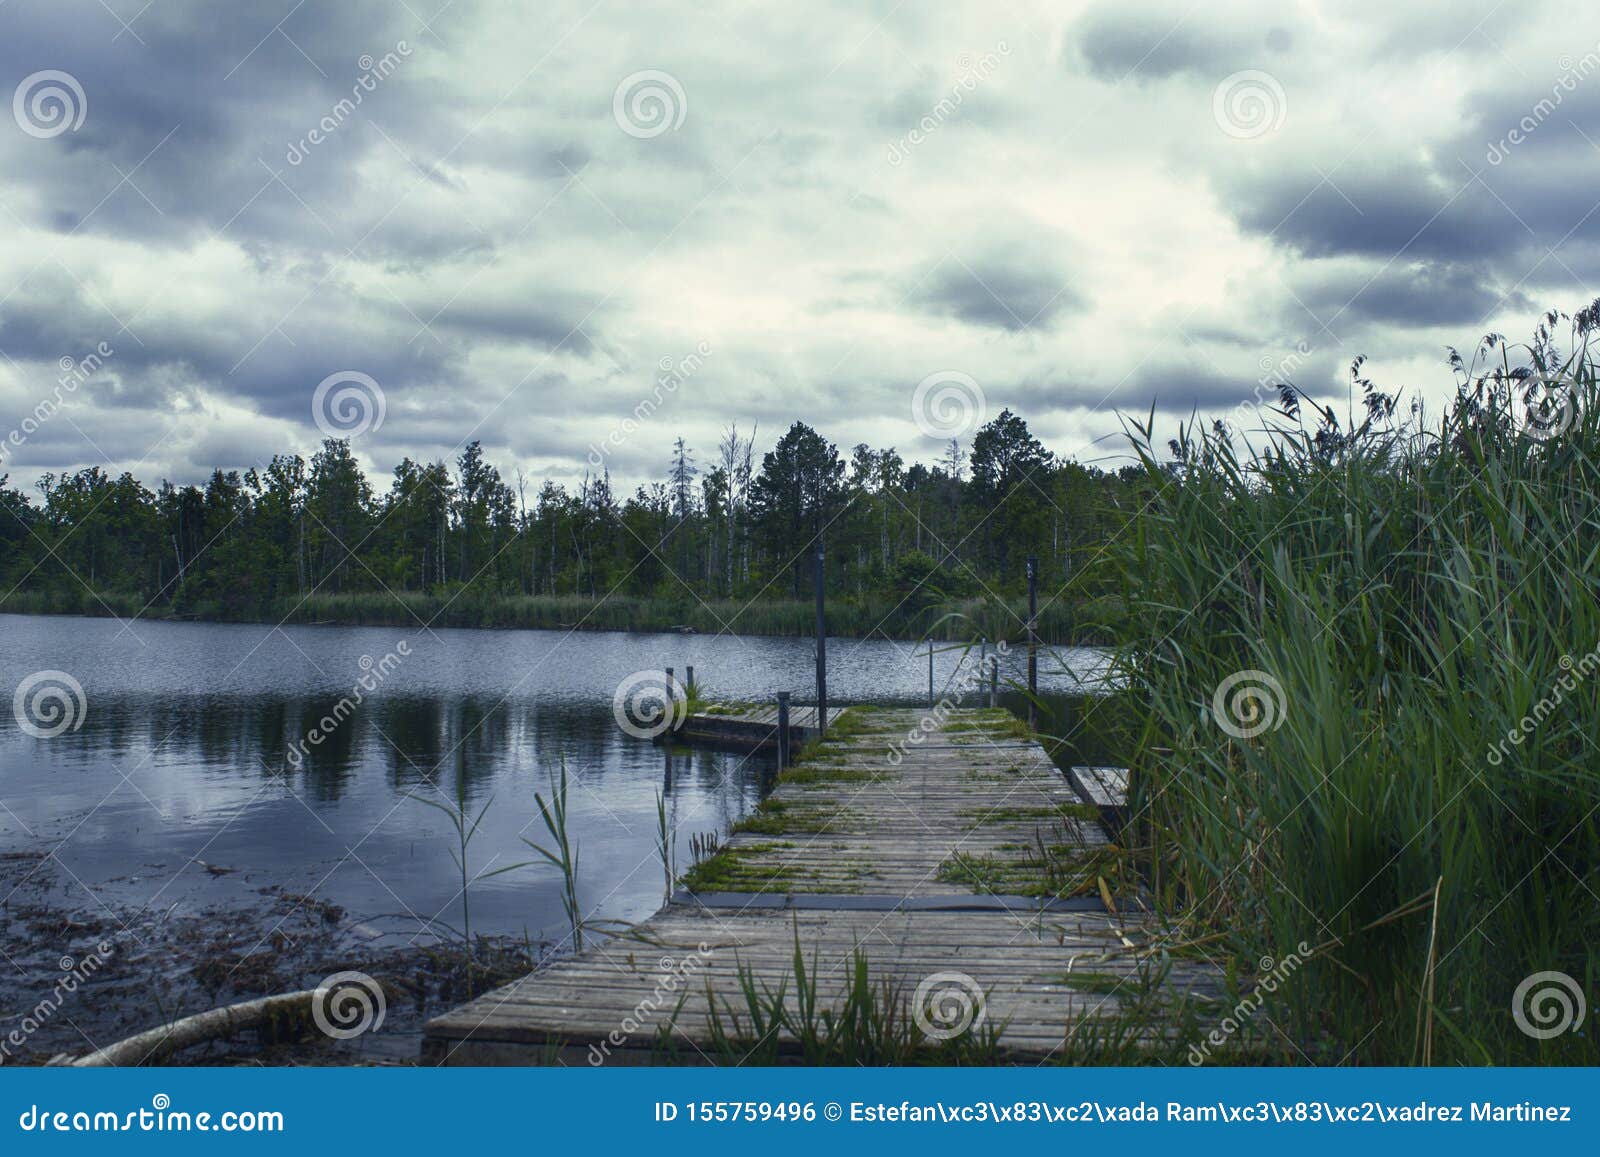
(894, 811)
(1022, 968)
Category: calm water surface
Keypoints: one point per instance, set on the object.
(180, 761)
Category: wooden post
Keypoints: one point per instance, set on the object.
(672, 682)
(822, 645)
(994, 681)
(783, 730)
(1033, 638)
(689, 680)
(930, 672)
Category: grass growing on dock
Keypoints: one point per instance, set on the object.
(1135, 1020)
(873, 1023)
(1414, 797)
(746, 868)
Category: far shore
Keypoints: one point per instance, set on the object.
(1081, 623)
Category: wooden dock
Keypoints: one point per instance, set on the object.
(749, 726)
(947, 855)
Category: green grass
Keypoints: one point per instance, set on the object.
(872, 1023)
(1415, 593)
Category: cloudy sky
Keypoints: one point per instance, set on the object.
(1076, 210)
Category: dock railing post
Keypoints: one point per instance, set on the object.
(930, 672)
(1033, 638)
(983, 661)
(688, 681)
(822, 645)
(994, 680)
(783, 730)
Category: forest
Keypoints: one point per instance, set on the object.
(724, 541)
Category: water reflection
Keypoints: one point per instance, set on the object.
(195, 750)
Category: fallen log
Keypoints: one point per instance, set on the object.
(219, 1023)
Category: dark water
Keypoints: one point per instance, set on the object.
(181, 759)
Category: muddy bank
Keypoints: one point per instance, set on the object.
(85, 965)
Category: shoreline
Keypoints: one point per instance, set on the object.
(951, 622)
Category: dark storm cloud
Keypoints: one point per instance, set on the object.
(1115, 46)
(1430, 294)
(488, 242)
(1009, 288)
(160, 357)
(187, 126)
(1152, 42)
(1183, 385)
(1379, 209)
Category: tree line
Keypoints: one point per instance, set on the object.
(720, 526)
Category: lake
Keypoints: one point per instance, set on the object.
(187, 780)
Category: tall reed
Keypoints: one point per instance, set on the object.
(564, 854)
(1413, 793)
